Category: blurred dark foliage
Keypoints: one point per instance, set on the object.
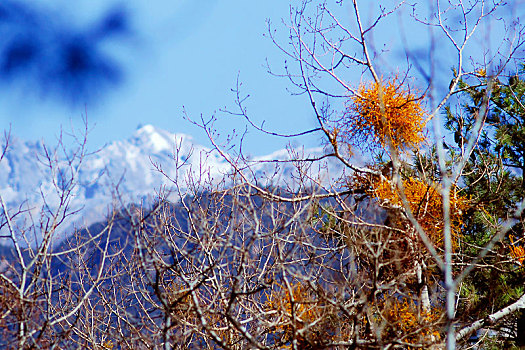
(46, 54)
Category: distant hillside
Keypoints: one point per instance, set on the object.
(123, 170)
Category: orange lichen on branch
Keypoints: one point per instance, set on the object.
(426, 204)
(383, 113)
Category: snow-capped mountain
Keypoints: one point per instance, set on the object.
(122, 172)
(134, 164)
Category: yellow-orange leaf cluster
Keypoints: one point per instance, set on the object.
(406, 321)
(426, 204)
(305, 309)
(383, 111)
(517, 252)
(297, 310)
(108, 345)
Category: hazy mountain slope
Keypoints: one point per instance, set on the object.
(126, 166)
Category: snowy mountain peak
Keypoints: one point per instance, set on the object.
(152, 139)
(130, 164)
(137, 167)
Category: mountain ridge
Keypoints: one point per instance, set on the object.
(129, 166)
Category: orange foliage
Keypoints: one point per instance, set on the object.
(304, 312)
(481, 72)
(426, 204)
(381, 111)
(517, 252)
(298, 310)
(406, 322)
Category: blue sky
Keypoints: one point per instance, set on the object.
(184, 53)
(188, 54)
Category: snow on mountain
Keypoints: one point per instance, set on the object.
(130, 167)
(130, 163)
(27, 182)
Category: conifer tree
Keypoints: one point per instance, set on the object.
(493, 180)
